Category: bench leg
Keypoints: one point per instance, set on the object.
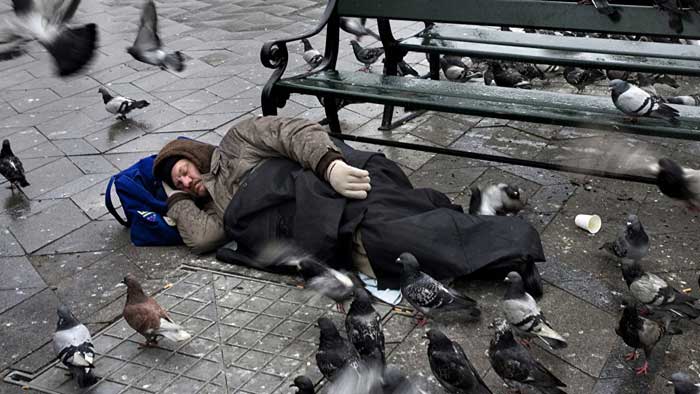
(434, 61)
(387, 116)
(331, 107)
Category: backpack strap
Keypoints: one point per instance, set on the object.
(110, 207)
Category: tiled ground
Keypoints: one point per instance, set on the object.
(58, 244)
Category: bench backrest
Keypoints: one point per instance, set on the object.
(538, 14)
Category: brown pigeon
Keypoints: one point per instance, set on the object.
(147, 317)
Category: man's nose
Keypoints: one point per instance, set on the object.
(186, 182)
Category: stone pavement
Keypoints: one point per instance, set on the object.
(59, 244)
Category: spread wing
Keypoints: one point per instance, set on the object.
(148, 39)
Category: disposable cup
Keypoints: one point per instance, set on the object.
(590, 223)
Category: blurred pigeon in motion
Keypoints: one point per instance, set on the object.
(691, 100)
(366, 56)
(427, 295)
(631, 243)
(525, 316)
(12, 44)
(303, 384)
(46, 21)
(675, 14)
(683, 385)
(356, 27)
(582, 77)
(334, 352)
(72, 344)
(11, 168)
(455, 69)
(148, 49)
(120, 105)
(451, 366)
(500, 199)
(639, 332)
(365, 378)
(147, 317)
(364, 328)
(604, 8)
(654, 292)
(394, 382)
(678, 183)
(517, 367)
(636, 103)
(327, 281)
(507, 76)
(311, 56)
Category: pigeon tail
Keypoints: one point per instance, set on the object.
(83, 376)
(551, 337)
(141, 104)
(175, 61)
(667, 112)
(173, 331)
(73, 48)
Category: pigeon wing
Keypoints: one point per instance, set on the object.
(519, 309)
(147, 38)
(646, 289)
(469, 369)
(57, 11)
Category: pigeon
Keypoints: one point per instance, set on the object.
(675, 14)
(326, 281)
(654, 292)
(517, 367)
(525, 316)
(639, 332)
(394, 382)
(500, 199)
(683, 385)
(678, 183)
(303, 384)
(691, 100)
(364, 328)
(46, 21)
(72, 344)
(148, 49)
(617, 74)
(604, 8)
(582, 77)
(311, 56)
(12, 44)
(366, 56)
(507, 76)
(451, 366)
(334, 352)
(631, 243)
(636, 103)
(455, 69)
(365, 378)
(11, 168)
(356, 27)
(405, 70)
(120, 105)
(147, 317)
(529, 71)
(427, 295)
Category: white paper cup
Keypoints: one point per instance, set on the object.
(590, 223)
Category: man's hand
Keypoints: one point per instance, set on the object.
(348, 181)
(169, 191)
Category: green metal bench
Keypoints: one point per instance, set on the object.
(474, 99)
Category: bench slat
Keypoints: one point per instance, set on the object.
(481, 100)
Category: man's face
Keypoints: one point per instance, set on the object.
(186, 177)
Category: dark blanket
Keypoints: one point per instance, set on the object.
(279, 199)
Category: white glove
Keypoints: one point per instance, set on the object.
(169, 191)
(348, 181)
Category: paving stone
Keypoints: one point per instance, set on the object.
(25, 100)
(75, 146)
(9, 245)
(54, 268)
(92, 200)
(44, 227)
(93, 164)
(198, 122)
(230, 87)
(42, 180)
(95, 236)
(196, 101)
(75, 186)
(115, 135)
(153, 142)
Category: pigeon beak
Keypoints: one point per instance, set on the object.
(506, 279)
(669, 383)
(120, 284)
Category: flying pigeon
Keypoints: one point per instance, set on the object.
(72, 344)
(120, 105)
(311, 56)
(364, 328)
(507, 76)
(327, 281)
(691, 100)
(517, 367)
(427, 295)
(451, 366)
(604, 8)
(639, 332)
(11, 168)
(303, 384)
(678, 183)
(683, 385)
(636, 103)
(455, 69)
(148, 49)
(525, 316)
(46, 21)
(500, 199)
(356, 27)
(582, 77)
(147, 317)
(394, 382)
(334, 352)
(654, 292)
(365, 378)
(366, 56)
(632, 242)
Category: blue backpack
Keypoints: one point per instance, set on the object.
(144, 202)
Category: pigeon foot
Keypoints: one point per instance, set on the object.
(643, 370)
(632, 356)
(340, 307)
(421, 320)
(524, 342)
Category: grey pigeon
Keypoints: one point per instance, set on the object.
(654, 292)
(327, 281)
(311, 56)
(452, 367)
(405, 70)
(639, 332)
(11, 167)
(517, 367)
(455, 69)
(678, 183)
(525, 316)
(120, 105)
(334, 352)
(427, 295)
(636, 103)
(529, 70)
(617, 74)
(507, 76)
(72, 344)
(582, 77)
(148, 48)
(500, 199)
(394, 382)
(683, 385)
(691, 100)
(46, 21)
(364, 328)
(303, 384)
(356, 27)
(631, 243)
(366, 56)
